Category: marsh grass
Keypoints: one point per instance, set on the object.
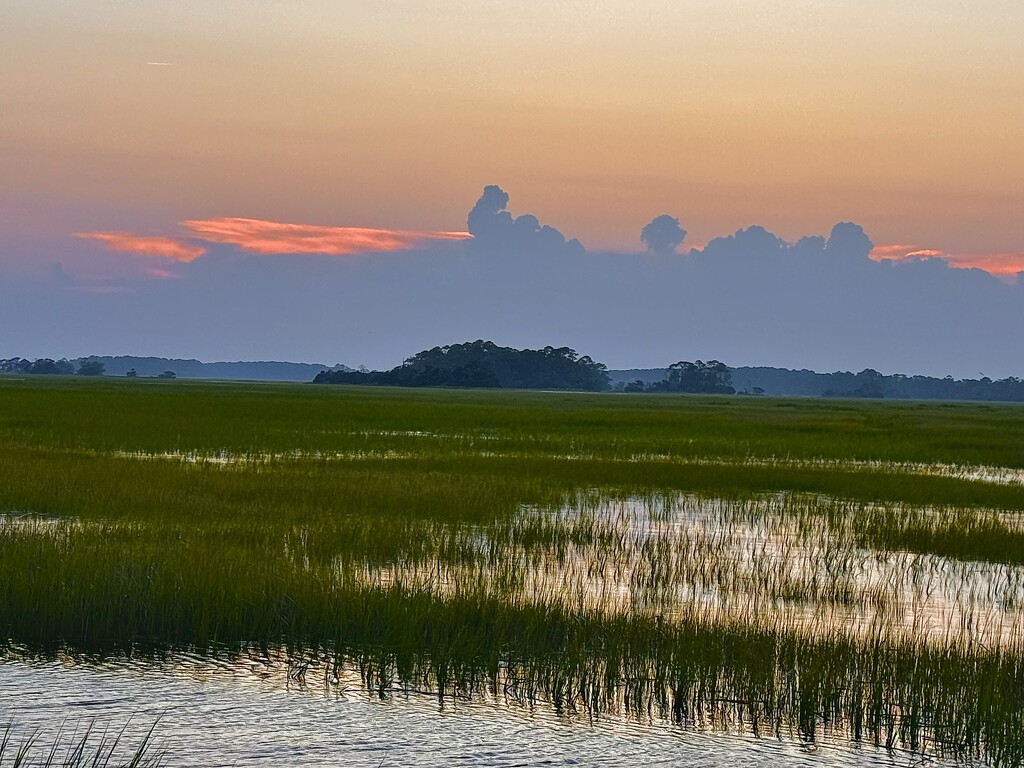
(87, 749)
(777, 566)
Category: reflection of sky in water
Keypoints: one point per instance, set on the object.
(969, 472)
(784, 561)
(771, 560)
(245, 714)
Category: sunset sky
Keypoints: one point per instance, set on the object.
(147, 133)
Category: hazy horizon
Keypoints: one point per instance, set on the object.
(825, 302)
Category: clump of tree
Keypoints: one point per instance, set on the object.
(711, 377)
(91, 368)
(484, 364)
(46, 366)
(40, 366)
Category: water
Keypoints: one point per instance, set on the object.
(251, 714)
(972, 472)
(779, 556)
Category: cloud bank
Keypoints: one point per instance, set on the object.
(826, 302)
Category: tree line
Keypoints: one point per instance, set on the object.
(869, 383)
(47, 366)
(483, 364)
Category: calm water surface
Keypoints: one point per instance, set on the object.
(240, 714)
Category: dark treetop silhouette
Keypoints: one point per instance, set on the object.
(485, 364)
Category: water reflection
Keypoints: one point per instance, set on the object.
(250, 712)
(782, 561)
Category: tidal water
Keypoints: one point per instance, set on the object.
(241, 714)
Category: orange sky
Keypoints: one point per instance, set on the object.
(595, 116)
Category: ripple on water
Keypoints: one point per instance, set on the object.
(214, 715)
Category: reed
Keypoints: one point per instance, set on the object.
(88, 749)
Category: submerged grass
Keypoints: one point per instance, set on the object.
(785, 566)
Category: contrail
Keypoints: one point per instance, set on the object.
(160, 64)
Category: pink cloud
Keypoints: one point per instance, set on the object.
(895, 252)
(1000, 264)
(172, 248)
(1004, 265)
(275, 237)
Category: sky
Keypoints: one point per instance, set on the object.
(159, 160)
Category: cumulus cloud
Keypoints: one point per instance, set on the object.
(849, 241)
(751, 244)
(173, 248)
(663, 234)
(488, 220)
(275, 237)
(495, 230)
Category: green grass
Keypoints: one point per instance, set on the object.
(86, 750)
(161, 416)
(696, 559)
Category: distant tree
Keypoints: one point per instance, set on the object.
(15, 365)
(91, 368)
(44, 366)
(637, 385)
(711, 377)
(869, 383)
(47, 366)
(167, 375)
(132, 373)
